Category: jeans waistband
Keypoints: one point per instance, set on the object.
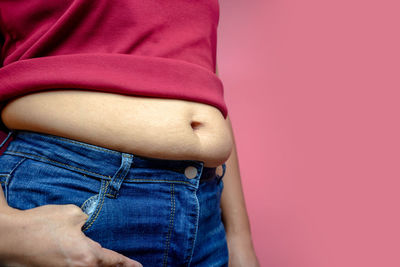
(98, 161)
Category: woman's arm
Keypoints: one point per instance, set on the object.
(234, 214)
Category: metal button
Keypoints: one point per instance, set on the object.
(190, 172)
(219, 171)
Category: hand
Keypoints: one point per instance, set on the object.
(241, 251)
(51, 236)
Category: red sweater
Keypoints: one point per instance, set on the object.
(163, 49)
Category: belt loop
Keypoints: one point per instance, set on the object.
(119, 176)
(223, 172)
(10, 133)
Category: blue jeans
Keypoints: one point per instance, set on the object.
(156, 211)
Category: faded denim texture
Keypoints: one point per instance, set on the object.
(145, 208)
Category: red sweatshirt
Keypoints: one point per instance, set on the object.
(164, 48)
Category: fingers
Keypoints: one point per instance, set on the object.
(110, 258)
(56, 228)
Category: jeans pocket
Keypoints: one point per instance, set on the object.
(8, 163)
(93, 205)
(30, 183)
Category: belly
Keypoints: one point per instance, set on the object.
(144, 126)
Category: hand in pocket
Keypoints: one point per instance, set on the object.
(51, 235)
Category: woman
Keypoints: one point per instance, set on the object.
(121, 138)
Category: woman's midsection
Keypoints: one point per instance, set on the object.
(146, 126)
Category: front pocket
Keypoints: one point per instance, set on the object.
(93, 205)
(35, 183)
(8, 163)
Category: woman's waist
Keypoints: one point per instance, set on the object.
(151, 127)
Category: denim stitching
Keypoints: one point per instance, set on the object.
(89, 222)
(148, 180)
(113, 194)
(9, 177)
(189, 257)
(16, 165)
(105, 176)
(123, 171)
(84, 203)
(23, 153)
(171, 224)
(98, 209)
(99, 206)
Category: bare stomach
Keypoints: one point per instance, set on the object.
(151, 127)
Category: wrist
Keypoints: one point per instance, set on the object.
(241, 250)
(240, 239)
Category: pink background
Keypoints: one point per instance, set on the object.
(312, 89)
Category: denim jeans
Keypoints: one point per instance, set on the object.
(156, 211)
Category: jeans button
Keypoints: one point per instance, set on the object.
(190, 172)
(219, 170)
